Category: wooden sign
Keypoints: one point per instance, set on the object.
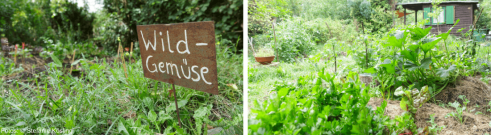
(183, 54)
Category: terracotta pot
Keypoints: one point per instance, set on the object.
(265, 60)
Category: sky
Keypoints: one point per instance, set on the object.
(94, 5)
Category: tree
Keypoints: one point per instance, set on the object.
(372, 15)
(227, 15)
(436, 11)
(22, 20)
(67, 17)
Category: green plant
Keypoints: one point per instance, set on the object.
(72, 20)
(489, 104)
(103, 101)
(405, 123)
(311, 108)
(434, 128)
(7, 67)
(264, 52)
(484, 76)
(414, 99)
(459, 110)
(293, 40)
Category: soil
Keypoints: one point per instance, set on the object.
(475, 91)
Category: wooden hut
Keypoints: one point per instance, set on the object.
(452, 10)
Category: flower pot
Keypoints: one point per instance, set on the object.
(265, 60)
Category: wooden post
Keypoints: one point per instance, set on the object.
(118, 53)
(15, 55)
(274, 34)
(404, 16)
(416, 17)
(73, 58)
(131, 51)
(122, 59)
(175, 100)
(23, 53)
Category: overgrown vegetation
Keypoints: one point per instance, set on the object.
(69, 78)
(353, 59)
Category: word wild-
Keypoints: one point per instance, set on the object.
(183, 54)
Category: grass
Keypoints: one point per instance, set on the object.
(103, 101)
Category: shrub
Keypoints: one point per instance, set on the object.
(292, 40)
(337, 29)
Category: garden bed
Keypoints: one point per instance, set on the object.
(474, 90)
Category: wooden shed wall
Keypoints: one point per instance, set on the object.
(464, 12)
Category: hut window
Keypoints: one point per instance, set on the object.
(441, 17)
(446, 16)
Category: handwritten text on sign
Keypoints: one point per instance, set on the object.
(183, 54)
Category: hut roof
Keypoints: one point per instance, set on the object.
(419, 5)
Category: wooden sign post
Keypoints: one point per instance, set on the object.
(131, 51)
(15, 55)
(23, 53)
(122, 59)
(183, 54)
(71, 63)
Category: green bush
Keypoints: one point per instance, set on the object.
(69, 18)
(338, 29)
(23, 21)
(292, 40)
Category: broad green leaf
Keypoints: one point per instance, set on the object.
(454, 104)
(399, 91)
(163, 116)
(172, 106)
(444, 36)
(425, 63)
(419, 33)
(56, 61)
(152, 116)
(283, 92)
(429, 45)
(121, 127)
(446, 72)
(201, 112)
(414, 47)
(410, 55)
(393, 42)
(404, 104)
(370, 70)
(400, 34)
(199, 115)
(456, 22)
(389, 67)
